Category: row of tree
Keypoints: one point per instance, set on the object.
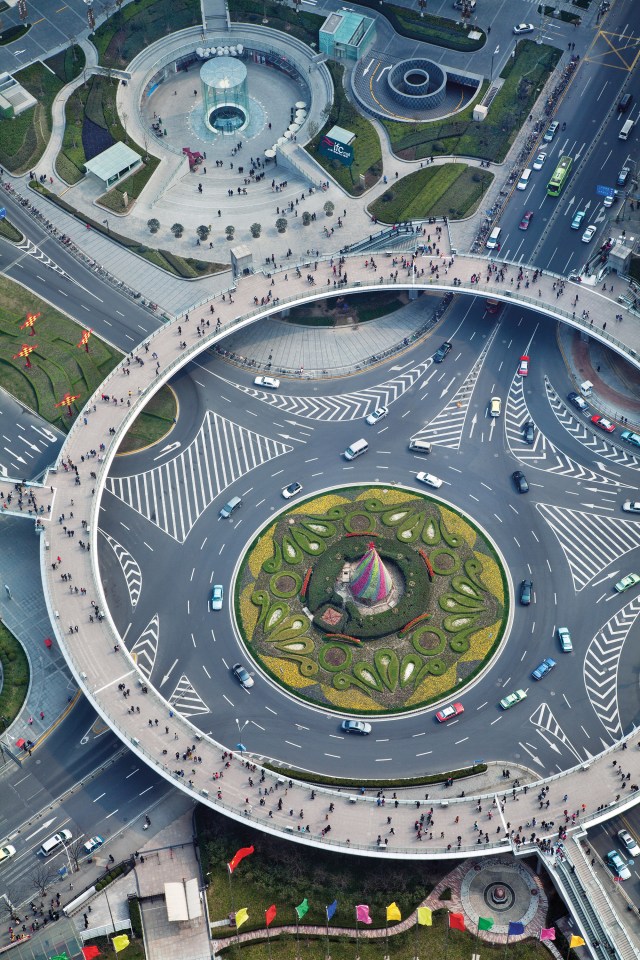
(203, 230)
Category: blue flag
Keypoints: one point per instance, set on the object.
(331, 909)
(515, 928)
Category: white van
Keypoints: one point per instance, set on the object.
(52, 844)
(494, 238)
(627, 127)
(356, 449)
(420, 446)
(523, 182)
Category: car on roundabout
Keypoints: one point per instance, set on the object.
(539, 161)
(359, 727)
(631, 506)
(544, 668)
(521, 482)
(242, 675)
(602, 423)
(589, 233)
(627, 582)
(526, 592)
(521, 28)
(93, 843)
(629, 843)
(453, 710)
(376, 415)
(564, 639)
(617, 865)
(271, 382)
(291, 490)
(429, 479)
(510, 701)
(217, 596)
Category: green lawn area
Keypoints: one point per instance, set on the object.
(438, 30)
(134, 27)
(361, 307)
(367, 159)
(15, 676)
(304, 26)
(9, 232)
(153, 423)
(460, 135)
(452, 190)
(23, 139)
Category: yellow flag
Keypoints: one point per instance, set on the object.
(424, 916)
(242, 916)
(393, 912)
(120, 942)
(576, 942)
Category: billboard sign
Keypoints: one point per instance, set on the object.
(334, 150)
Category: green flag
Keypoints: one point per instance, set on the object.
(302, 908)
(485, 923)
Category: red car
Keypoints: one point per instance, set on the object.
(526, 220)
(449, 712)
(523, 369)
(603, 423)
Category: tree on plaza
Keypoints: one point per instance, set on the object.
(306, 218)
(153, 224)
(281, 224)
(329, 208)
(177, 230)
(230, 230)
(256, 230)
(203, 232)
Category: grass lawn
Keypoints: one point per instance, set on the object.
(15, 679)
(367, 159)
(23, 139)
(58, 365)
(135, 950)
(438, 30)
(361, 307)
(304, 26)
(153, 423)
(9, 232)
(451, 190)
(490, 140)
(134, 27)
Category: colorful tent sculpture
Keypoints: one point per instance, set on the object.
(370, 580)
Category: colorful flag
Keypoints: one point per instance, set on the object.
(242, 915)
(240, 855)
(302, 908)
(362, 913)
(576, 942)
(515, 928)
(270, 914)
(393, 912)
(485, 923)
(456, 921)
(90, 952)
(548, 933)
(120, 942)
(425, 917)
(331, 909)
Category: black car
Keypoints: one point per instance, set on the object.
(521, 482)
(526, 592)
(442, 351)
(578, 402)
(529, 431)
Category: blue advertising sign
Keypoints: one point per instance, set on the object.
(3, 212)
(605, 191)
(335, 150)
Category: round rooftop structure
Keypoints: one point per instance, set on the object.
(418, 83)
(225, 95)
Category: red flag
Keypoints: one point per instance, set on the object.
(240, 855)
(456, 921)
(90, 952)
(270, 914)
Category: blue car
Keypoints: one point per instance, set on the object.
(545, 667)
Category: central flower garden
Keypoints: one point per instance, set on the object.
(371, 600)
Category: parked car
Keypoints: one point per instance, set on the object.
(291, 490)
(631, 506)
(355, 726)
(442, 351)
(544, 668)
(526, 220)
(623, 176)
(611, 198)
(603, 424)
(454, 710)
(629, 843)
(217, 596)
(565, 640)
(93, 844)
(588, 235)
(429, 479)
(627, 582)
(272, 382)
(242, 674)
(618, 866)
(526, 592)
(578, 402)
(510, 701)
(376, 415)
(538, 163)
(551, 131)
(577, 220)
(521, 482)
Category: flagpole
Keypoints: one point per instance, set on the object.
(233, 908)
(268, 935)
(506, 946)
(357, 940)
(415, 950)
(327, 954)
(386, 940)
(446, 943)
(297, 936)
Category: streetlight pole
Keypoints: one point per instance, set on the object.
(106, 223)
(493, 56)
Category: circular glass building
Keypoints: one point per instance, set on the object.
(224, 94)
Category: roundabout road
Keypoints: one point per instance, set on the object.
(559, 476)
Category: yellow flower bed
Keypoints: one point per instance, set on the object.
(481, 642)
(320, 505)
(350, 699)
(433, 687)
(262, 551)
(287, 671)
(384, 495)
(458, 526)
(248, 611)
(490, 576)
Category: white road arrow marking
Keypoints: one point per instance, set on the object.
(367, 68)
(608, 576)
(446, 389)
(532, 755)
(168, 449)
(168, 674)
(44, 826)
(12, 454)
(384, 70)
(45, 433)
(473, 424)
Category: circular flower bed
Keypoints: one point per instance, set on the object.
(371, 600)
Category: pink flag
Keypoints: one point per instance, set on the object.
(362, 913)
(548, 933)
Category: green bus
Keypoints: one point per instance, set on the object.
(560, 176)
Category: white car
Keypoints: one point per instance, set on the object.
(291, 490)
(429, 479)
(589, 233)
(629, 843)
(217, 596)
(495, 407)
(538, 163)
(270, 382)
(631, 506)
(523, 28)
(93, 844)
(378, 414)
(7, 852)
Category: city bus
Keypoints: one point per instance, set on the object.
(560, 176)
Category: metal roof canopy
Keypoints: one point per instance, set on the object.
(183, 900)
(110, 165)
(341, 135)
